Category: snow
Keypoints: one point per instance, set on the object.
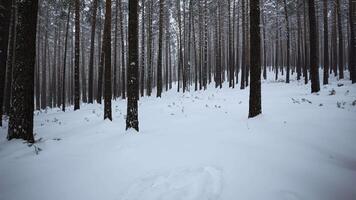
(195, 146)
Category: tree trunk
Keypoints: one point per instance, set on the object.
(159, 57)
(123, 66)
(352, 21)
(64, 63)
(107, 61)
(326, 43)
(142, 75)
(132, 71)
(76, 58)
(255, 64)
(5, 9)
(91, 56)
(288, 41)
(341, 41)
(314, 69)
(21, 117)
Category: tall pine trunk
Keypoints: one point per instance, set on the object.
(326, 43)
(255, 63)
(76, 58)
(21, 114)
(107, 61)
(352, 21)
(313, 36)
(91, 56)
(5, 9)
(159, 57)
(132, 70)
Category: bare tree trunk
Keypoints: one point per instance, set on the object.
(21, 117)
(255, 50)
(160, 54)
(107, 61)
(76, 58)
(64, 63)
(314, 69)
(326, 43)
(142, 75)
(341, 41)
(5, 18)
(91, 56)
(132, 71)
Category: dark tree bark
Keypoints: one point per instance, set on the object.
(180, 45)
(142, 75)
(288, 41)
(91, 56)
(243, 54)
(123, 66)
(334, 41)
(159, 59)
(10, 61)
(21, 114)
(149, 49)
(352, 52)
(255, 70)
(5, 9)
(132, 71)
(313, 36)
(299, 40)
(116, 76)
(341, 41)
(230, 48)
(107, 61)
(326, 44)
(65, 62)
(305, 66)
(205, 66)
(44, 65)
(264, 45)
(238, 45)
(76, 58)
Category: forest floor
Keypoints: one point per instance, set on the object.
(192, 146)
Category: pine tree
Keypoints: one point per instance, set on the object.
(123, 66)
(326, 43)
(255, 70)
(91, 56)
(352, 52)
(76, 58)
(21, 113)
(132, 70)
(159, 57)
(65, 62)
(5, 9)
(288, 40)
(341, 41)
(107, 61)
(142, 75)
(313, 35)
(243, 56)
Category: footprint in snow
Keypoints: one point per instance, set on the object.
(188, 184)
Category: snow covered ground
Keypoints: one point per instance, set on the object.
(193, 146)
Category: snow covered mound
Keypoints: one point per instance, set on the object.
(192, 146)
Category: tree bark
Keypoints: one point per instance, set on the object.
(107, 61)
(314, 69)
(132, 71)
(21, 117)
(255, 64)
(91, 56)
(76, 58)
